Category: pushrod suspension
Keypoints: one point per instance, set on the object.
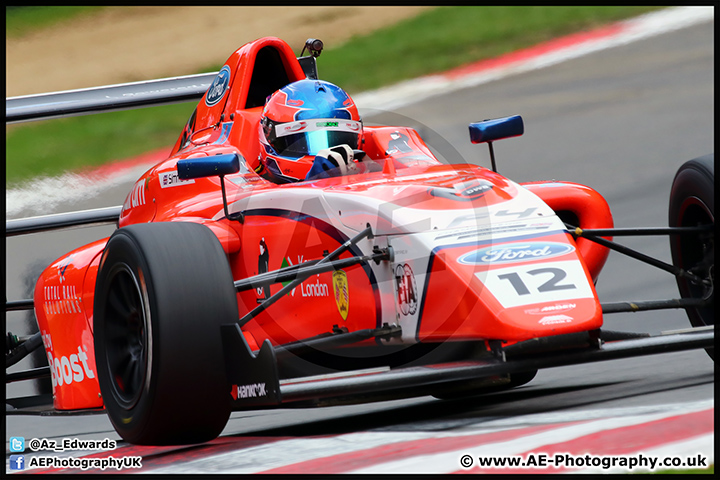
(307, 269)
(302, 276)
(635, 254)
(620, 307)
(641, 231)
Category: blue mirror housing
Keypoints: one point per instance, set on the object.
(496, 129)
(200, 167)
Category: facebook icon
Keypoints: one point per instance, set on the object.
(17, 462)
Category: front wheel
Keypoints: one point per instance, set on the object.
(692, 203)
(162, 292)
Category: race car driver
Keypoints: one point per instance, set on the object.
(307, 128)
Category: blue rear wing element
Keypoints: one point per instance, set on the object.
(216, 165)
(496, 129)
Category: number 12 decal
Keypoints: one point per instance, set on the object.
(528, 284)
(558, 275)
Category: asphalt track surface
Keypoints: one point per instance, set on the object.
(620, 121)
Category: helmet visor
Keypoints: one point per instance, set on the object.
(308, 137)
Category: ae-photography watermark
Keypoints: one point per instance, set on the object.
(19, 444)
(21, 462)
(18, 460)
(567, 460)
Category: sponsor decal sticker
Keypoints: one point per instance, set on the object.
(316, 289)
(322, 124)
(61, 299)
(466, 191)
(342, 293)
(406, 289)
(251, 390)
(477, 190)
(516, 252)
(66, 370)
(263, 267)
(171, 179)
(561, 283)
(62, 266)
(287, 263)
(554, 319)
(562, 307)
(294, 127)
(47, 340)
(136, 198)
(219, 86)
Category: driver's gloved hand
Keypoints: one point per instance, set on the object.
(340, 156)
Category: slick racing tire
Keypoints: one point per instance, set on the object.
(692, 203)
(162, 292)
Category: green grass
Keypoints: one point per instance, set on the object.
(434, 41)
(51, 147)
(447, 37)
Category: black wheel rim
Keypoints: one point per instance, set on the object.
(697, 255)
(126, 336)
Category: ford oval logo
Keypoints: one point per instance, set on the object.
(516, 252)
(218, 87)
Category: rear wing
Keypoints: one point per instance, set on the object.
(110, 98)
(125, 96)
(58, 221)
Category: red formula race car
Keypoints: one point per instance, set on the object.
(285, 254)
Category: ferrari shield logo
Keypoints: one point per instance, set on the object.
(342, 293)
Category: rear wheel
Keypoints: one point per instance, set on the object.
(692, 203)
(162, 292)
